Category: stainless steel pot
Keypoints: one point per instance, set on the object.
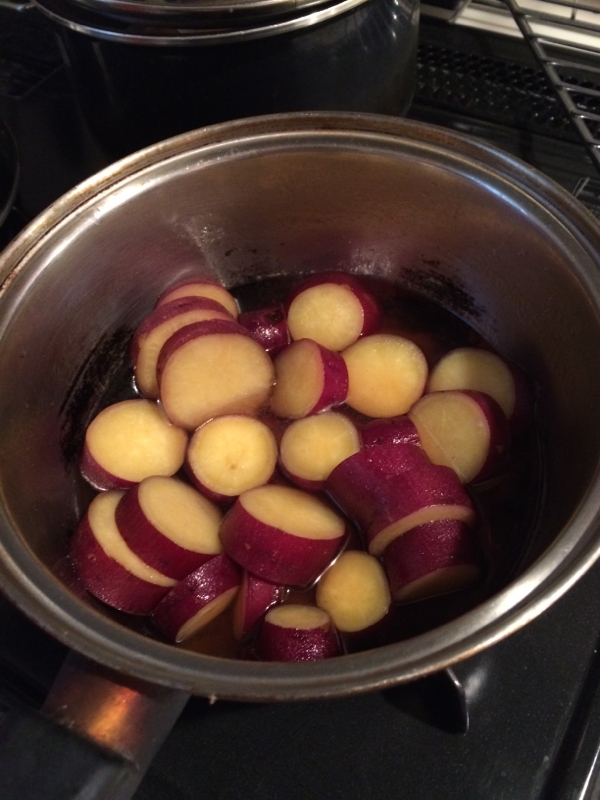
(146, 71)
(497, 243)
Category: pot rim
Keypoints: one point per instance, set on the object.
(191, 11)
(84, 21)
(41, 596)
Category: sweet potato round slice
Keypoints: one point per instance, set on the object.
(476, 369)
(158, 326)
(107, 567)
(201, 288)
(357, 483)
(297, 633)
(210, 369)
(129, 441)
(423, 494)
(354, 591)
(432, 559)
(231, 454)
(386, 375)
(312, 447)
(308, 379)
(198, 599)
(268, 326)
(464, 430)
(169, 525)
(333, 309)
(480, 370)
(283, 535)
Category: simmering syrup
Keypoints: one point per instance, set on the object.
(507, 503)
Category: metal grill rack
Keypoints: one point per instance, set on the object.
(564, 35)
(483, 86)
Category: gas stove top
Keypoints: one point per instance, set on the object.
(519, 720)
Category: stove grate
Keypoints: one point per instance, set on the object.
(571, 62)
(500, 91)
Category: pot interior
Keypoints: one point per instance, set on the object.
(496, 245)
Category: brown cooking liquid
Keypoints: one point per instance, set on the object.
(508, 503)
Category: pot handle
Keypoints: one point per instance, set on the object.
(94, 738)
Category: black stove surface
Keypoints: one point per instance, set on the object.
(519, 721)
(533, 731)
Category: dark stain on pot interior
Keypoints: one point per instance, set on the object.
(106, 367)
(442, 289)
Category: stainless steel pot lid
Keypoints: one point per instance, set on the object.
(74, 14)
(195, 13)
